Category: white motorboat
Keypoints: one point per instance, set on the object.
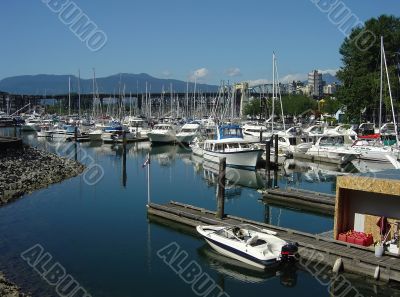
(375, 151)
(31, 124)
(231, 145)
(260, 248)
(95, 135)
(252, 132)
(188, 133)
(137, 126)
(333, 148)
(116, 133)
(343, 130)
(162, 133)
(315, 131)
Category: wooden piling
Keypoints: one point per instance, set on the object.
(76, 134)
(124, 138)
(124, 176)
(268, 161)
(261, 135)
(276, 150)
(221, 189)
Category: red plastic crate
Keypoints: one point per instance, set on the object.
(342, 237)
(360, 241)
(350, 239)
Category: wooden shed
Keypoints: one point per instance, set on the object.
(361, 200)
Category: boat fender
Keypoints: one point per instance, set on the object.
(337, 267)
(377, 272)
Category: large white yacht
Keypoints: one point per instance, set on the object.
(188, 133)
(229, 143)
(162, 133)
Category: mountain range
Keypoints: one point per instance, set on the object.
(330, 79)
(130, 83)
(58, 84)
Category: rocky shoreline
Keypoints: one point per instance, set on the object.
(23, 171)
(8, 289)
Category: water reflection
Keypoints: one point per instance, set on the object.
(166, 155)
(236, 178)
(104, 241)
(241, 272)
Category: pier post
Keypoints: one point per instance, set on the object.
(124, 176)
(261, 135)
(76, 134)
(268, 161)
(221, 189)
(124, 138)
(76, 151)
(276, 148)
(15, 130)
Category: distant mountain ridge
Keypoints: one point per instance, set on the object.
(330, 79)
(58, 84)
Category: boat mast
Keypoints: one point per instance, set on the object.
(194, 96)
(273, 92)
(381, 88)
(170, 98)
(69, 95)
(187, 99)
(390, 94)
(79, 93)
(280, 95)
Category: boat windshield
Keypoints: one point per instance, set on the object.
(331, 141)
(234, 233)
(162, 128)
(186, 130)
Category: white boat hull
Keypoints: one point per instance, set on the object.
(185, 138)
(248, 158)
(93, 136)
(234, 256)
(161, 138)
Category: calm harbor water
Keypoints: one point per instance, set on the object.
(102, 236)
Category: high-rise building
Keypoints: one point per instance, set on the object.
(330, 89)
(315, 84)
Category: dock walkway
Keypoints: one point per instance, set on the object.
(356, 259)
(301, 199)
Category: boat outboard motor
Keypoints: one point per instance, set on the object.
(289, 251)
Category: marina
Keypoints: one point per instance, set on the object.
(197, 148)
(171, 163)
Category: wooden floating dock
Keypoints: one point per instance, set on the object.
(10, 142)
(354, 258)
(85, 138)
(301, 199)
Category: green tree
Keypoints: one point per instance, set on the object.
(253, 108)
(360, 73)
(297, 104)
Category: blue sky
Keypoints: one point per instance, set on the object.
(221, 39)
